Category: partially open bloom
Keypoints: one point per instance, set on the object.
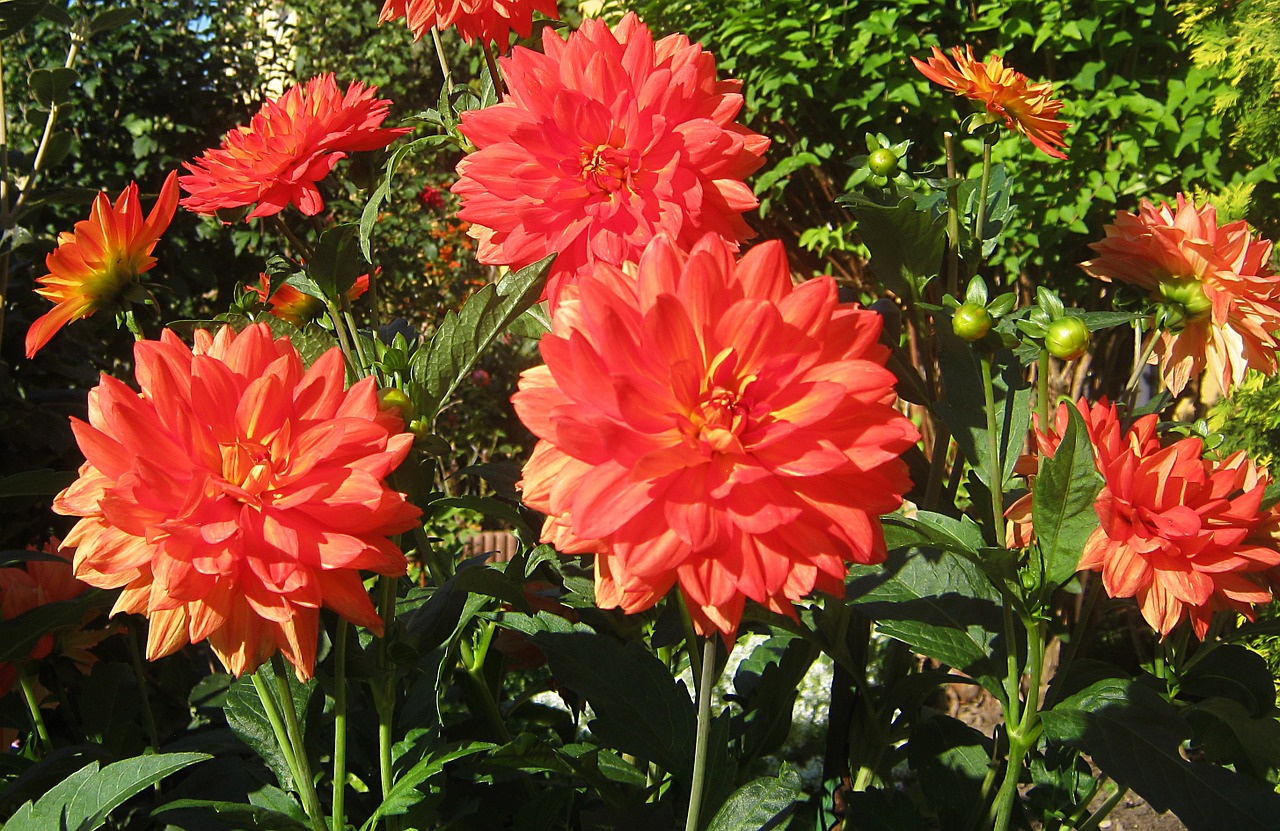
(287, 303)
(1216, 277)
(291, 144)
(705, 424)
(101, 258)
(488, 21)
(606, 141)
(1182, 535)
(1026, 108)
(36, 583)
(236, 494)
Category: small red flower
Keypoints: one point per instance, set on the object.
(103, 256)
(1026, 108)
(236, 494)
(431, 198)
(484, 20)
(287, 303)
(289, 146)
(706, 424)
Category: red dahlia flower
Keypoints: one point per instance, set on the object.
(289, 145)
(101, 258)
(1217, 276)
(1183, 535)
(705, 423)
(236, 495)
(606, 141)
(1026, 108)
(483, 20)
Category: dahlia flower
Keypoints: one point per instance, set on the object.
(483, 20)
(703, 423)
(604, 142)
(236, 494)
(102, 257)
(1184, 536)
(37, 583)
(289, 304)
(1218, 278)
(1026, 108)
(291, 144)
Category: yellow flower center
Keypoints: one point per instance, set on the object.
(606, 168)
(247, 466)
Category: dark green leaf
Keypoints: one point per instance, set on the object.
(1233, 672)
(19, 634)
(951, 759)
(110, 19)
(762, 804)
(928, 529)
(1062, 502)
(50, 86)
(336, 262)
(248, 719)
(253, 816)
(1231, 735)
(906, 244)
(16, 15)
(404, 793)
(766, 683)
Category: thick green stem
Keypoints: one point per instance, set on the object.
(277, 725)
(304, 779)
(1024, 734)
(144, 695)
(33, 707)
(1095, 820)
(344, 343)
(339, 812)
(690, 637)
(995, 470)
(385, 700)
(444, 61)
(979, 221)
(707, 680)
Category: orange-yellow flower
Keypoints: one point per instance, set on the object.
(102, 257)
(289, 304)
(289, 146)
(1026, 108)
(1217, 276)
(703, 423)
(236, 494)
(606, 141)
(484, 20)
(1184, 536)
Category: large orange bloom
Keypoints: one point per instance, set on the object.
(1183, 535)
(289, 145)
(606, 141)
(100, 258)
(1026, 108)
(236, 495)
(1217, 276)
(705, 423)
(483, 20)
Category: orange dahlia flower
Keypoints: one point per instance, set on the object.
(1181, 534)
(97, 261)
(236, 494)
(483, 20)
(37, 583)
(1026, 108)
(1218, 278)
(291, 144)
(703, 423)
(289, 304)
(606, 141)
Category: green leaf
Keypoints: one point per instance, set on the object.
(369, 216)
(766, 684)
(1133, 735)
(1062, 502)
(252, 816)
(50, 86)
(761, 804)
(82, 801)
(110, 19)
(438, 369)
(35, 483)
(109, 706)
(950, 758)
(336, 262)
(640, 709)
(16, 15)
(1232, 672)
(404, 794)
(932, 530)
(1231, 735)
(248, 719)
(939, 604)
(19, 634)
(906, 244)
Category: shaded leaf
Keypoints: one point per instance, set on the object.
(1062, 502)
(762, 804)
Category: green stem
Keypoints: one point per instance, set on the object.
(357, 343)
(148, 717)
(493, 69)
(1042, 388)
(339, 813)
(979, 221)
(277, 726)
(304, 250)
(1094, 821)
(995, 471)
(707, 677)
(444, 62)
(344, 343)
(33, 707)
(304, 780)
(1140, 363)
(1023, 735)
(690, 637)
(386, 696)
(953, 217)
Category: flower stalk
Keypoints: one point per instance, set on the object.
(33, 707)
(705, 683)
(339, 812)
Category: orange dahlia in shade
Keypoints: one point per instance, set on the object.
(236, 494)
(483, 20)
(101, 258)
(1026, 108)
(604, 142)
(33, 585)
(704, 424)
(1218, 278)
(1184, 536)
(289, 304)
(289, 146)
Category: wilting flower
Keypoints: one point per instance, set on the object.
(38, 583)
(1217, 279)
(236, 495)
(707, 424)
(483, 20)
(1026, 108)
(1183, 535)
(287, 303)
(101, 258)
(606, 141)
(289, 145)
